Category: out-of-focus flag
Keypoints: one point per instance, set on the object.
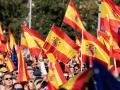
(78, 82)
(14, 57)
(12, 40)
(23, 42)
(72, 18)
(36, 36)
(22, 73)
(10, 65)
(103, 78)
(110, 21)
(32, 45)
(60, 45)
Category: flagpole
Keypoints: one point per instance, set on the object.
(30, 12)
(99, 14)
(116, 71)
(81, 52)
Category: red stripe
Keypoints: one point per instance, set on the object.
(65, 37)
(56, 53)
(60, 73)
(80, 83)
(90, 37)
(35, 51)
(20, 71)
(72, 24)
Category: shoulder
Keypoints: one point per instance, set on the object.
(2, 87)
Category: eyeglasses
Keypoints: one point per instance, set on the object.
(8, 78)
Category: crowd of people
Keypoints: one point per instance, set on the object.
(37, 70)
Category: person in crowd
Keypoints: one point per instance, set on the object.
(18, 86)
(7, 82)
(30, 72)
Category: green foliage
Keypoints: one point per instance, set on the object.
(45, 13)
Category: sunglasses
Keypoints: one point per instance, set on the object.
(8, 78)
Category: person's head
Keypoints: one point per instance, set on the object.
(18, 86)
(8, 79)
(30, 72)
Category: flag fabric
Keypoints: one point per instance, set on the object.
(32, 45)
(14, 57)
(22, 73)
(12, 40)
(10, 65)
(103, 78)
(2, 38)
(60, 45)
(58, 73)
(78, 82)
(23, 42)
(72, 18)
(52, 82)
(93, 48)
(36, 36)
(1, 59)
(110, 20)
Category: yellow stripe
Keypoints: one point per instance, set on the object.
(30, 41)
(71, 15)
(12, 41)
(99, 52)
(40, 42)
(62, 46)
(52, 78)
(51, 57)
(59, 82)
(106, 12)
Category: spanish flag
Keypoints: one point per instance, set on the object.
(55, 76)
(59, 43)
(72, 18)
(32, 45)
(12, 40)
(110, 19)
(52, 82)
(22, 73)
(78, 82)
(10, 65)
(23, 42)
(93, 48)
(36, 36)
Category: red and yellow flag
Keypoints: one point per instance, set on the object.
(78, 82)
(55, 75)
(32, 45)
(12, 40)
(36, 36)
(110, 20)
(23, 42)
(22, 73)
(72, 18)
(93, 48)
(59, 43)
(10, 65)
